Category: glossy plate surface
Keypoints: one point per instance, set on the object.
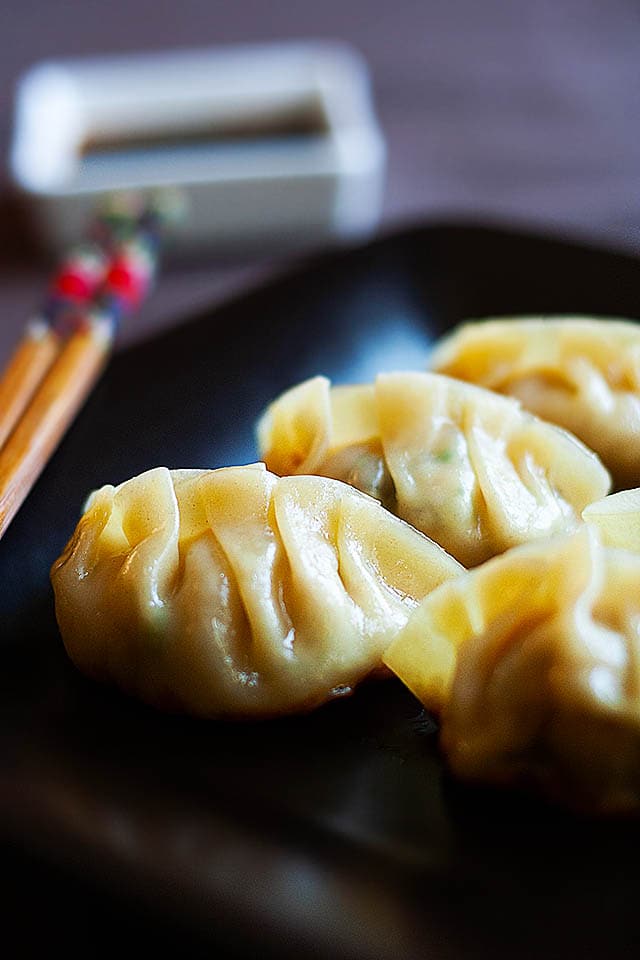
(334, 835)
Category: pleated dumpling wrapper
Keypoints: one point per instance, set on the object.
(467, 467)
(581, 373)
(533, 663)
(232, 592)
(617, 519)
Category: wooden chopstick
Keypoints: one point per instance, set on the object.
(51, 410)
(77, 278)
(30, 361)
(58, 362)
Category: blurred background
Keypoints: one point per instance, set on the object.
(507, 112)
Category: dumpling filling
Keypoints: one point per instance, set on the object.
(582, 373)
(467, 467)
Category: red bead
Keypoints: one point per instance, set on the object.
(126, 283)
(74, 286)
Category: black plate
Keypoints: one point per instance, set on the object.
(338, 834)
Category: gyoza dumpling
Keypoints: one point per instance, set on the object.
(616, 519)
(232, 592)
(533, 661)
(467, 467)
(581, 373)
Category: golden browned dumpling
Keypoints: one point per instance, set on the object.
(234, 593)
(467, 467)
(533, 662)
(581, 373)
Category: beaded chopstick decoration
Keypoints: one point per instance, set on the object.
(75, 283)
(97, 285)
